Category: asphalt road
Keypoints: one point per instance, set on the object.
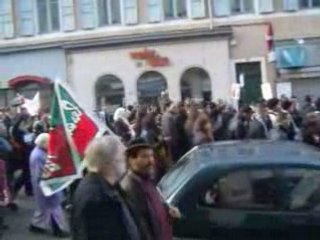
(19, 222)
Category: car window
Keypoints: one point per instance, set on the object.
(178, 175)
(299, 189)
(245, 189)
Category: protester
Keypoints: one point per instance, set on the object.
(308, 106)
(287, 124)
(203, 132)
(149, 129)
(49, 214)
(169, 130)
(149, 210)
(183, 142)
(260, 123)
(311, 129)
(99, 211)
(22, 144)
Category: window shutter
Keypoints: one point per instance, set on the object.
(266, 6)
(88, 14)
(155, 10)
(26, 17)
(67, 15)
(198, 9)
(130, 12)
(6, 20)
(221, 8)
(290, 5)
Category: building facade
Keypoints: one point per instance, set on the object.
(129, 51)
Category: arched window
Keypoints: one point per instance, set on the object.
(150, 86)
(196, 84)
(28, 86)
(109, 90)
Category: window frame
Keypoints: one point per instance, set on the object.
(49, 19)
(174, 9)
(226, 174)
(311, 4)
(200, 202)
(108, 21)
(242, 8)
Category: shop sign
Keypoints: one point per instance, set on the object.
(151, 57)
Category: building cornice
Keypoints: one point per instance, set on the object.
(176, 35)
(123, 36)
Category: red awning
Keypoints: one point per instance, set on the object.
(15, 82)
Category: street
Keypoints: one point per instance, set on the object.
(19, 222)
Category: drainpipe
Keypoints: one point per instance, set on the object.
(210, 7)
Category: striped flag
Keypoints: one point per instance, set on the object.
(71, 130)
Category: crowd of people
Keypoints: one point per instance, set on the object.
(117, 198)
(178, 127)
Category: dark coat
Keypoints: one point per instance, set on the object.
(170, 134)
(182, 137)
(257, 130)
(136, 199)
(169, 129)
(98, 213)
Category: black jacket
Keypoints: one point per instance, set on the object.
(98, 212)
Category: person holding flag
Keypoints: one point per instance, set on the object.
(49, 214)
(71, 130)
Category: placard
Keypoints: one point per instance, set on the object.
(266, 91)
(284, 89)
(235, 91)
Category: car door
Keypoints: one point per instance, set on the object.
(243, 202)
(298, 189)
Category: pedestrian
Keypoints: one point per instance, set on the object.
(21, 143)
(260, 123)
(99, 212)
(274, 110)
(311, 129)
(49, 214)
(308, 106)
(182, 138)
(203, 131)
(151, 213)
(149, 129)
(170, 131)
(288, 125)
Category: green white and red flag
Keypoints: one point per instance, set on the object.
(71, 130)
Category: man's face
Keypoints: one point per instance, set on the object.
(144, 162)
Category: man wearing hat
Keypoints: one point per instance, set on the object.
(150, 212)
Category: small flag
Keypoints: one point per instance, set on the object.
(270, 43)
(71, 131)
(33, 106)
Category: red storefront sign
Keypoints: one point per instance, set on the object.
(151, 57)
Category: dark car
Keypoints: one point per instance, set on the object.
(255, 190)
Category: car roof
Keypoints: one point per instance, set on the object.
(253, 152)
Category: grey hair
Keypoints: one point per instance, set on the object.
(42, 140)
(104, 150)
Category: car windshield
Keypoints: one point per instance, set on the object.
(178, 175)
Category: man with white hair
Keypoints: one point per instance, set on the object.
(49, 214)
(99, 212)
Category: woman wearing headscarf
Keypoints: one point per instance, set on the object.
(49, 215)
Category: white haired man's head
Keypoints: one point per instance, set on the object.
(42, 140)
(106, 155)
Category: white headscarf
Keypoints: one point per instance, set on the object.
(42, 140)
